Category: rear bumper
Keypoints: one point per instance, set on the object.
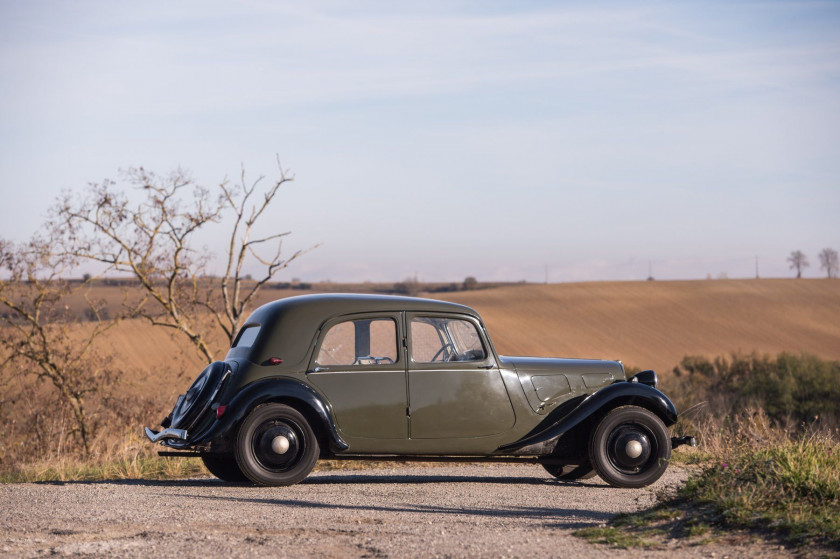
(166, 435)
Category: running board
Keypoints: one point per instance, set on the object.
(457, 459)
(187, 454)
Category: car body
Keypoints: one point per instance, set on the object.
(382, 377)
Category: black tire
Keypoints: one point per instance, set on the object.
(224, 467)
(631, 447)
(569, 472)
(254, 446)
(193, 402)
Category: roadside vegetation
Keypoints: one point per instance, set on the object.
(768, 464)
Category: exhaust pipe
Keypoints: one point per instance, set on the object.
(166, 434)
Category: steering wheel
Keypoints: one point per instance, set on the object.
(445, 350)
(384, 360)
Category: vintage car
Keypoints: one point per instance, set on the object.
(380, 377)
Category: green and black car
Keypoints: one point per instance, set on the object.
(379, 377)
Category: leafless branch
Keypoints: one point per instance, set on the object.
(153, 241)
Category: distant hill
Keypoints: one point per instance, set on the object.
(654, 324)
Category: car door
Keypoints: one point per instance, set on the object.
(455, 388)
(359, 365)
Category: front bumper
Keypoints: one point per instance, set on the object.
(679, 441)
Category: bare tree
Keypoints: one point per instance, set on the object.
(409, 286)
(798, 260)
(154, 241)
(41, 336)
(829, 262)
(247, 208)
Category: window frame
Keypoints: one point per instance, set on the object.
(488, 362)
(321, 335)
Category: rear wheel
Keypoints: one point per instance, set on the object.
(276, 445)
(224, 467)
(631, 447)
(570, 472)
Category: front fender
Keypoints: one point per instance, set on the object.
(614, 395)
(267, 390)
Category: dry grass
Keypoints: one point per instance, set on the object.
(125, 454)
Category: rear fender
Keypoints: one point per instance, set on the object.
(612, 396)
(271, 390)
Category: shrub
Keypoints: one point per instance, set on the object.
(790, 388)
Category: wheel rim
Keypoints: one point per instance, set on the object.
(631, 447)
(277, 445)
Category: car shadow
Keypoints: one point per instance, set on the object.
(344, 479)
(341, 479)
(555, 517)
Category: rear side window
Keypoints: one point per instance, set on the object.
(247, 336)
(360, 342)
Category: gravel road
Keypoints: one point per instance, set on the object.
(451, 511)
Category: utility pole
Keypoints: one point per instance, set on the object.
(650, 270)
(546, 274)
(756, 267)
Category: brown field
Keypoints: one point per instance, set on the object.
(655, 324)
(645, 324)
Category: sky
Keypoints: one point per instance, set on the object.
(506, 140)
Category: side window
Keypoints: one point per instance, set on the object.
(438, 340)
(247, 336)
(360, 342)
(426, 341)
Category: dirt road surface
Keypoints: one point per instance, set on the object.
(451, 511)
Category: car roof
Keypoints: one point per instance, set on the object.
(334, 304)
(290, 324)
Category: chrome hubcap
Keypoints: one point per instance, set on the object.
(277, 445)
(629, 447)
(633, 449)
(280, 444)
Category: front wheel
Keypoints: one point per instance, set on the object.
(631, 447)
(275, 445)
